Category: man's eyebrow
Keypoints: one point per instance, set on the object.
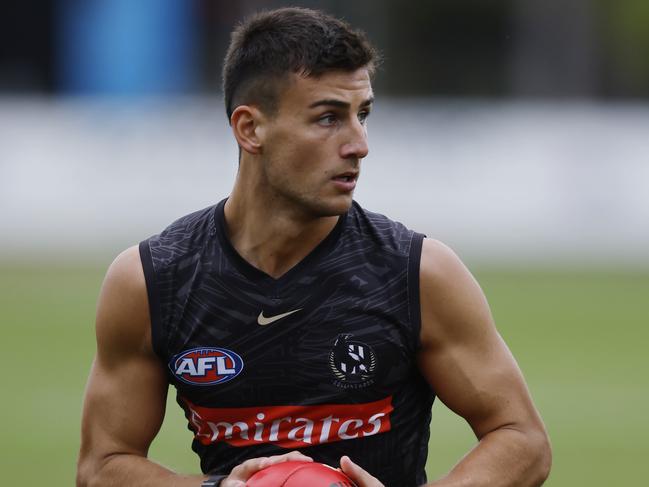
(339, 103)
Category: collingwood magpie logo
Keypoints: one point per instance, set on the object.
(353, 363)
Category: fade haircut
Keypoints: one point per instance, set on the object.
(270, 46)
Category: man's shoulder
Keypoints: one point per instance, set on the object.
(384, 231)
(443, 272)
(126, 269)
(122, 310)
(183, 236)
(203, 219)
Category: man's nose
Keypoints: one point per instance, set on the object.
(356, 145)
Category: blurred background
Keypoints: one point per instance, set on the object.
(515, 131)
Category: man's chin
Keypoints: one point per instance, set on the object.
(338, 206)
(323, 206)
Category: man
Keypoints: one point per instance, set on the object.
(287, 317)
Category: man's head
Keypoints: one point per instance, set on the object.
(298, 93)
(269, 47)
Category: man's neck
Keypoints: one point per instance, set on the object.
(270, 236)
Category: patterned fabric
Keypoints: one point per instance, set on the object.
(321, 359)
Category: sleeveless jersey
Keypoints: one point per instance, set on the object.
(321, 359)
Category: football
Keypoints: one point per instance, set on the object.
(300, 474)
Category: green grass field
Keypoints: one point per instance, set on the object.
(580, 338)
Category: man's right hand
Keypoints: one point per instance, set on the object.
(241, 473)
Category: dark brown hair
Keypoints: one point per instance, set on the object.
(269, 46)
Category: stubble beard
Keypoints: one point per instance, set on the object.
(305, 204)
(308, 204)
(312, 207)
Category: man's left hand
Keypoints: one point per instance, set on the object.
(357, 474)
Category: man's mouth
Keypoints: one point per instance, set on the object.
(347, 177)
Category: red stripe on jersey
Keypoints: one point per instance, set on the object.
(289, 426)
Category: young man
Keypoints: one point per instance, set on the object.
(287, 317)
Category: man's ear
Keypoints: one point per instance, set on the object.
(247, 126)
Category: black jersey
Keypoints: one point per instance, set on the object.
(321, 359)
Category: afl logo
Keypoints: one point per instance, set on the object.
(206, 366)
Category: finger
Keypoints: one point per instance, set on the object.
(358, 474)
(295, 456)
(245, 470)
(241, 473)
(228, 482)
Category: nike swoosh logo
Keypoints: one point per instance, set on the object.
(263, 320)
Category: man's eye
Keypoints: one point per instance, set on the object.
(362, 116)
(327, 120)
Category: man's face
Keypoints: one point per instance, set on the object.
(312, 147)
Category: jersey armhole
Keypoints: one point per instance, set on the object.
(154, 298)
(414, 302)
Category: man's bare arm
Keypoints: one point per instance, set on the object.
(473, 372)
(126, 393)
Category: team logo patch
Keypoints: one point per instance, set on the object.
(353, 363)
(206, 366)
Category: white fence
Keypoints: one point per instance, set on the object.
(549, 182)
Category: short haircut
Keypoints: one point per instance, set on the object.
(269, 46)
